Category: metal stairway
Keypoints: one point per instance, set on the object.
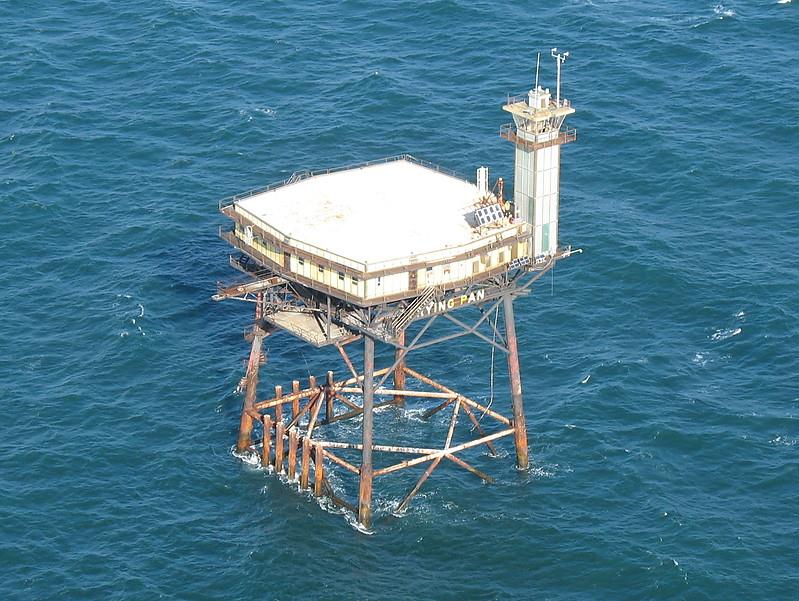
(403, 320)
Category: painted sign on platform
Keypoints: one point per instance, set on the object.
(442, 306)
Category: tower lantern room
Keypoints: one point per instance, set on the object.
(537, 132)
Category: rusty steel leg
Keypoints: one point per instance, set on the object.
(319, 470)
(399, 372)
(254, 363)
(365, 488)
(519, 425)
(329, 388)
(259, 308)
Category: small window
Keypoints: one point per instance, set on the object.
(321, 269)
(341, 276)
(301, 262)
(429, 270)
(354, 281)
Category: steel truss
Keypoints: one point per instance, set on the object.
(294, 423)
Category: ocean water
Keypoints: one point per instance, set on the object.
(659, 367)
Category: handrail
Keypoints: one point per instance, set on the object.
(508, 131)
(553, 103)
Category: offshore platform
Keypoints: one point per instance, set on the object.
(377, 254)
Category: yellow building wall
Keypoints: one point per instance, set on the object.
(392, 284)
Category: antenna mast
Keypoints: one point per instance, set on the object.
(560, 59)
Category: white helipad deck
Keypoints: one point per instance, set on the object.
(373, 213)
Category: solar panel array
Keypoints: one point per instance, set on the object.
(489, 214)
(520, 262)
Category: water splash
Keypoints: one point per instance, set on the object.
(725, 333)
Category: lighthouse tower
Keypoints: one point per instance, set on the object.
(537, 133)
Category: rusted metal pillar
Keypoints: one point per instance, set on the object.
(278, 408)
(292, 457)
(280, 433)
(305, 465)
(267, 442)
(365, 489)
(259, 308)
(399, 371)
(329, 397)
(295, 403)
(251, 386)
(319, 470)
(519, 425)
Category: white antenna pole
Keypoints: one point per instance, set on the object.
(560, 59)
(537, 65)
(557, 98)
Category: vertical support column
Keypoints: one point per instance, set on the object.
(519, 425)
(329, 397)
(280, 432)
(305, 466)
(259, 308)
(319, 470)
(278, 408)
(312, 386)
(253, 365)
(365, 488)
(399, 371)
(292, 460)
(267, 447)
(295, 402)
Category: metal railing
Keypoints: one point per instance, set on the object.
(553, 103)
(508, 131)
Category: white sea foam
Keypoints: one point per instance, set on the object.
(723, 11)
(352, 520)
(415, 415)
(723, 334)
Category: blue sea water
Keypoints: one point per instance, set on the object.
(659, 367)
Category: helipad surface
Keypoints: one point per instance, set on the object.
(374, 213)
